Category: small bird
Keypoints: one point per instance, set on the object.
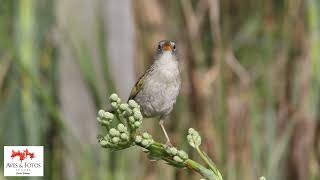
(157, 89)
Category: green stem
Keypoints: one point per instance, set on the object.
(158, 149)
(210, 163)
(120, 120)
(204, 158)
(204, 172)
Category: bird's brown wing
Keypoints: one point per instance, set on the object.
(136, 88)
(139, 84)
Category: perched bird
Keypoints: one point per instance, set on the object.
(157, 89)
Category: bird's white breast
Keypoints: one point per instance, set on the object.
(161, 88)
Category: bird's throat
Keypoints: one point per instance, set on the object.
(166, 57)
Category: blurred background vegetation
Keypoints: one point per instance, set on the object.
(250, 83)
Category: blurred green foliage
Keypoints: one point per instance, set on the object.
(251, 83)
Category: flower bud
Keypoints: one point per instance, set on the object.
(137, 115)
(183, 154)
(114, 105)
(133, 104)
(138, 139)
(124, 136)
(115, 140)
(146, 135)
(137, 124)
(103, 143)
(114, 132)
(114, 97)
(131, 119)
(191, 131)
(262, 178)
(137, 109)
(194, 138)
(122, 128)
(173, 150)
(103, 121)
(128, 111)
(177, 159)
(108, 115)
(123, 107)
(101, 113)
(118, 100)
(106, 123)
(145, 143)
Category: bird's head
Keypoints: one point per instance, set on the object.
(167, 47)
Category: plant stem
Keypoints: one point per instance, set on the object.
(208, 162)
(159, 149)
(204, 172)
(204, 158)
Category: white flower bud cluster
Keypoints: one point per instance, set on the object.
(178, 155)
(133, 113)
(130, 111)
(194, 138)
(116, 136)
(115, 101)
(105, 118)
(120, 136)
(145, 140)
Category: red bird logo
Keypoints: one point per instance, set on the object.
(22, 155)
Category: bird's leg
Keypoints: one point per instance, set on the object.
(168, 143)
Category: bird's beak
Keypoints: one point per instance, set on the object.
(167, 47)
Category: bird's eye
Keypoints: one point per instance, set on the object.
(174, 47)
(159, 47)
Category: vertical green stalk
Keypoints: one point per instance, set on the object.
(313, 7)
(314, 28)
(26, 53)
